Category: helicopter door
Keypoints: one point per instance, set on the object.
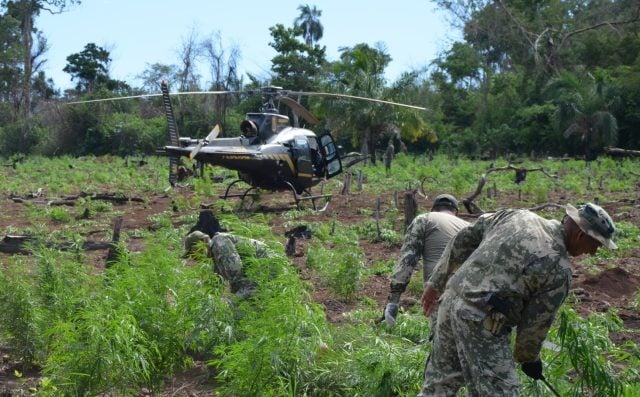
(332, 158)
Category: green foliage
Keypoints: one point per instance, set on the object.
(278, 335)
(584, 346)
(126, 134)
(20, 318)
(90, 68)
(366, 361)
(59, 215)
(152, 312)
(341, 268)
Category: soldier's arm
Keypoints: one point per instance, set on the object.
(536, 319)
(410, 253)
(456, 252)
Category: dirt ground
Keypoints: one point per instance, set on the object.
(614, 283)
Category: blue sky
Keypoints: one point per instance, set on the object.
(142, 32)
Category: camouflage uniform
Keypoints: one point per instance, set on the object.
(388, 156)
(426, 238)
(226, 259)
(514, 263)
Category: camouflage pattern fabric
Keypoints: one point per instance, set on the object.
(465, 353)
(226, 259)
(514, 262)
(426, 239)
(388, 156)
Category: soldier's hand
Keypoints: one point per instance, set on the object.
(494, 322)
(391, 313)
(533, 369)
(429, 300)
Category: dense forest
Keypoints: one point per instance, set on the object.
(545, 77)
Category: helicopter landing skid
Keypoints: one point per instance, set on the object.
(299, 198)
(243, 195)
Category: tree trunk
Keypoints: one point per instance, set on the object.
(410, 208)
(26, 30)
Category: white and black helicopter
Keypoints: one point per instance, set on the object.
(270, 154)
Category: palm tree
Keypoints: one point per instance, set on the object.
(309, 22)
(584, 108)
(360, 72)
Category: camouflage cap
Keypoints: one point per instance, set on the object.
(594, 221)
(193, 238)
(445, 200)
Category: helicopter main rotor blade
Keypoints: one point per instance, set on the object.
(359, 97)
(299, 109)
(212, 135)
(153, 95)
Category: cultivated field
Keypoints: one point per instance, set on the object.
(146, 321)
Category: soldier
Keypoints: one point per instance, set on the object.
(509, 269)
(388, 156)
(226, 260)
(426, 238)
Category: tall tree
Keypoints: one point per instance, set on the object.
(309, 22)
(89, 67)
(360, 72)
(189, 53)
(223, 69)
(585, 108)
(26, 11)
(297, 64)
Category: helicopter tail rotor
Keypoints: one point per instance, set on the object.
(203, 142)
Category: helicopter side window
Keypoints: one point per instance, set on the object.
(301, 148)
(279, 123)
(316, 156)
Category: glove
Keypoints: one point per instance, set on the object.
(390, 313)
(533, 369)
(494, 322)
(429, 300)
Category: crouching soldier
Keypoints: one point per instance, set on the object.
(222, 248)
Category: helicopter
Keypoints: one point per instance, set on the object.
(270, 154)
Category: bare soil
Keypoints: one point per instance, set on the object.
(607, 285)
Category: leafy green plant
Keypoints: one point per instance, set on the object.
(59, 215)
(277, 336)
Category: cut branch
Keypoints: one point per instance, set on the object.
(472, 208)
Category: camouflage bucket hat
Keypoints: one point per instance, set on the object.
(594, 221)
(193, 238)
(445, 200)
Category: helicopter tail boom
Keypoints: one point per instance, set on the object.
(174, 137)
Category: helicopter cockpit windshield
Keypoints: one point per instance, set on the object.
(268, 123)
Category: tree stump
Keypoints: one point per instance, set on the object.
(410, 207)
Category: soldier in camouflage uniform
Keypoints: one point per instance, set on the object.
(425, 239)
(226, 260)
(509, 269)
(389, 154)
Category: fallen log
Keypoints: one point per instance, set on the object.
(18, 244)
(70, 200)
(615, 151)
